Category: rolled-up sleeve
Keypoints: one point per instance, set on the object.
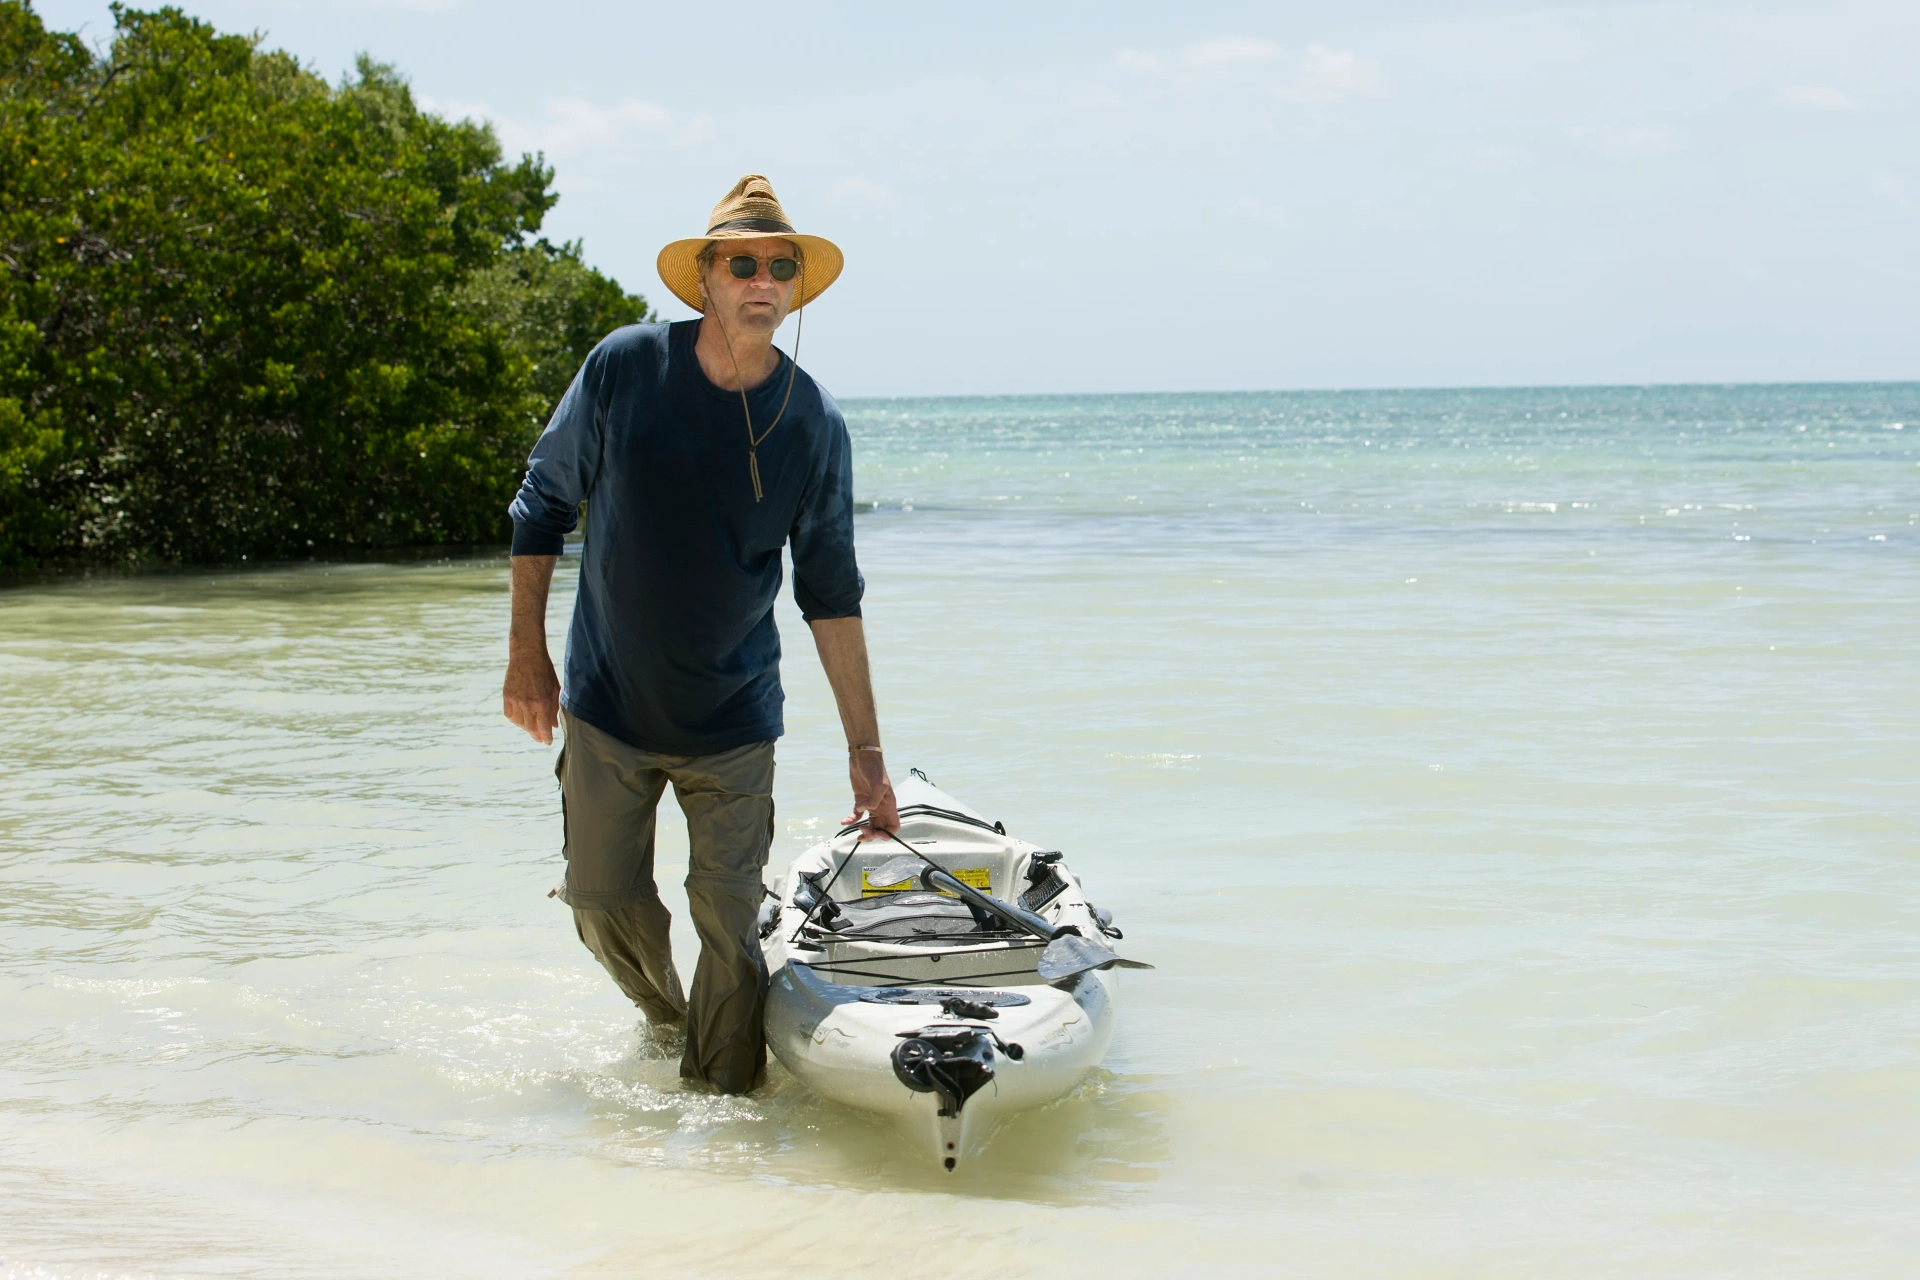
(562, 467)
(826, 577)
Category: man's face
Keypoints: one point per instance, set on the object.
(755, 305)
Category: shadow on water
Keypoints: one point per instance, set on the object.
(1098, 1143)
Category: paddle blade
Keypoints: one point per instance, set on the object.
(1070, 954)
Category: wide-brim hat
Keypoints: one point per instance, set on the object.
(749, 212)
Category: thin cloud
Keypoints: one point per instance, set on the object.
(1334, 75)
(1229, 51)
(1821, 98)
(574, 126)
(1319, 75)
(454, 109)
(1487, 156)
(1625, 143)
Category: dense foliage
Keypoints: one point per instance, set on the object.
(243, 312)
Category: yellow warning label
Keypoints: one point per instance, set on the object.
(975, 877)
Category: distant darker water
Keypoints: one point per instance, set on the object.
(1437, 459)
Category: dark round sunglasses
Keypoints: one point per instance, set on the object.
(746, 267)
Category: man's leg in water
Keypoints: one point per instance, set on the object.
(728, 800)
(609, 793)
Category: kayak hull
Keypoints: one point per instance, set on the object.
(841, 1046)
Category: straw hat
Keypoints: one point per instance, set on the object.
(748, 212)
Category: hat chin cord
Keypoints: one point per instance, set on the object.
(753, 441)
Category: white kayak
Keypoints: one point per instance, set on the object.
(923, 993)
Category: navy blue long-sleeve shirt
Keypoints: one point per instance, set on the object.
(673, 646)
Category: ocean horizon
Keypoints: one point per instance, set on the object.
(1707, 384)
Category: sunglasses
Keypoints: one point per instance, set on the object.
(746, 267)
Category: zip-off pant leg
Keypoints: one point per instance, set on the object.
(728, 800)
(608, 798)
(610, 792)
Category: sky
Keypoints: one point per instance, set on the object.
(1109, 197)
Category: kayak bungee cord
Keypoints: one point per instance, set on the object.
(825, 892)
(827, 889)
(1069, 953)
(895, 980)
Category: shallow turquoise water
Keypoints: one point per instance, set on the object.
(1515, 789)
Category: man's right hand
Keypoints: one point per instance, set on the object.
(531, 697)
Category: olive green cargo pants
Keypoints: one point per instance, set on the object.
(609, 792)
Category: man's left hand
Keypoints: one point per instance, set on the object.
(872, 796)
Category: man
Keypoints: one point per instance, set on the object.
(701, 451)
